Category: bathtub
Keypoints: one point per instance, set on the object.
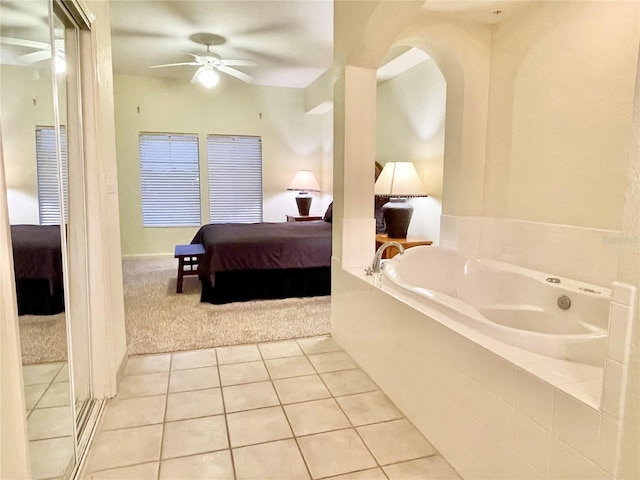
(511, 304)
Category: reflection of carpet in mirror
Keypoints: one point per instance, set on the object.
(160, 320)
(43, 338)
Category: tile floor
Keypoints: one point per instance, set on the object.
(49, 418)
(294, 409)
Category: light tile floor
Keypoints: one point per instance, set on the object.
(49, 418)
(295, 409)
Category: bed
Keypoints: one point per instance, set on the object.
(37, 261)
(264, 260)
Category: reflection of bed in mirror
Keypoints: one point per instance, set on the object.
(264, 260)
(37, 260)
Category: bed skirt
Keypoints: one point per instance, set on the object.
(35, 297)
(245, 285)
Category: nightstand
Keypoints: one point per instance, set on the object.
(302, 218)
(405, 242)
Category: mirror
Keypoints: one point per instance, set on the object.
(39, 45)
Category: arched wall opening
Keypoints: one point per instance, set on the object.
(462, 57)
(411, 102)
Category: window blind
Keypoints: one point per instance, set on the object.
(169, 180)
(47, 174)
(234, 165)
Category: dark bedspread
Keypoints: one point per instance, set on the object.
(37, 260)
(37, 253)
(264, 246)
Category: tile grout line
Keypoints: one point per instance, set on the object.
(101, 430)
(284, 412)
(48, 387)
(226, 420)
(164, 417)
(378, 389)
(333, 397)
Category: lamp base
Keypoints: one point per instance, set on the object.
(304, 204)
(397, 215)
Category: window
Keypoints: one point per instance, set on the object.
(47, 173)
(234, 166)
(170, 180)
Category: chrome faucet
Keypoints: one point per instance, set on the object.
(377, 258)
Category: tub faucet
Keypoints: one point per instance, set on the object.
(377, 258)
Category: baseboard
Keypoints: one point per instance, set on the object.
(147, 255)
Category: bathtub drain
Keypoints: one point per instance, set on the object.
(564, 302)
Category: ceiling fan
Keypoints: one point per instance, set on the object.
(209, 64)
(43, 51)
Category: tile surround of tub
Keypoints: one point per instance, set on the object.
(395, 345)
(617, 362)
(585, 254)
(482, 354)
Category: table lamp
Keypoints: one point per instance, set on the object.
(305, 182)
(398, 180)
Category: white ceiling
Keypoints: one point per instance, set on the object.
(488, 12)
(291, 41)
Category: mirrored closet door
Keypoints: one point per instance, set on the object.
(42, 142)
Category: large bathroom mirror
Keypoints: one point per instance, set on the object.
(42, 142)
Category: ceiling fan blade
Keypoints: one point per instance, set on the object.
(199, 58)
(194, 79)
(34, 57)
(24, 43)
(240, 63)
(236, 73)
(174, 64)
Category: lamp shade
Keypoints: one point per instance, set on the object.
(304, 181)
(397, 180)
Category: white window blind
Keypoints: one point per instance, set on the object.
(169, 180)
(47, 173)
(234, 166)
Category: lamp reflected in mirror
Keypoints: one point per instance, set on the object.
(304, 182)
(399, 181)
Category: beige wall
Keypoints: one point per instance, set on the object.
(462, 53)
(629, 271)
(410, 119)
(562, 78)
(291, 141)
(26, 98)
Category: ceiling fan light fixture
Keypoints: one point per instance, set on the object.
(208, 78)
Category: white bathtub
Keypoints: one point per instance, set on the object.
(512, 304)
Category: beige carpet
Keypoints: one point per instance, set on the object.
(159, 320)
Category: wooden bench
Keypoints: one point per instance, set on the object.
(188, 260)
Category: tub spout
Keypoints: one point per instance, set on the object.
(377, 258)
